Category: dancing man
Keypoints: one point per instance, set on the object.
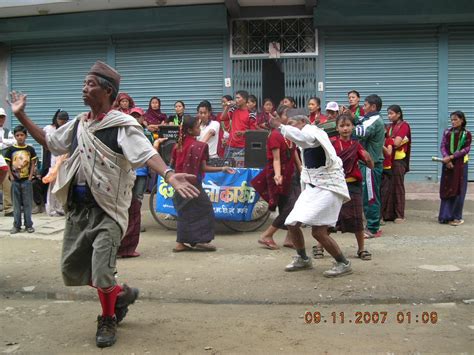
(95, 186)
(325, 190)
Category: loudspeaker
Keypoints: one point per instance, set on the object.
(170, 132)
(256, 149)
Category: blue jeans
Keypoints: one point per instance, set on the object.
(22, 191)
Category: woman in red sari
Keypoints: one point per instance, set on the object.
(455, 148)
(153, 116)
(278, 183)
(124, 103)
(264, 117)
(400, 132)
(315, 115)
(195, 216)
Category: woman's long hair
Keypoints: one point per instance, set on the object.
(188, 123)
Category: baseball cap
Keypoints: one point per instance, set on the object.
(2, 112)
(137, 110)
(332, 106)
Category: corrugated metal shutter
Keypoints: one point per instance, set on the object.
(247, 75)
(52, 75)
(188, 69)
(401, 66)
(461, 76)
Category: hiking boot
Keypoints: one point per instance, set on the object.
(106, 331)
(299, 263)
(339, 269)
(15, 230)
(126, 297)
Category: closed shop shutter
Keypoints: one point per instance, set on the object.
(401, 66)
(188, 69)
(52, 76)
(461, 76)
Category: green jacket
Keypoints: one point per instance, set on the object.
(370, 131)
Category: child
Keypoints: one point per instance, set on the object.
(266, 115)
(276, 182)
(386, 186)
(210, 129)
(21, 159)
(130, 240)
(195, 216)
(252, 107)
(351, 152)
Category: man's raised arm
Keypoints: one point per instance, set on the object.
(18, 104)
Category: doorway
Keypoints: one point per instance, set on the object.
(273, 80)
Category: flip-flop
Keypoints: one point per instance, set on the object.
(269, 244)
(186, 248)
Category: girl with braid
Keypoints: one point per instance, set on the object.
(195, 216)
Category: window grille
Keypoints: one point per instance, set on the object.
(254, 37)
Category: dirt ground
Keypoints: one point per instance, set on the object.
(239, 299)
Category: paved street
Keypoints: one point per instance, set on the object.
(239, 299)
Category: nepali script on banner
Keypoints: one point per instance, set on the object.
(231, 194)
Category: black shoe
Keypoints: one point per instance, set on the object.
(30, 230)
(106, 331)
(15, 230)
(126, 297)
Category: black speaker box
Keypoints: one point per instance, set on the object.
(256, 149)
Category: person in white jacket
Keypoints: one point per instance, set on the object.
(324, 192)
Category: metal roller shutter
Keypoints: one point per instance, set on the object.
(188, 69)
(52, 75)
(402, 68)
(461, 76)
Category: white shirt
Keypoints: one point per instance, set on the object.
(213, 142)
(6, 142)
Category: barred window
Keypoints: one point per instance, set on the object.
(286, 36)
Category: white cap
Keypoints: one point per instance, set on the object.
(332, 106)
(2, 112)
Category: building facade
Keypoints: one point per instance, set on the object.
(419, 58)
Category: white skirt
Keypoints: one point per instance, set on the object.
(316, 207)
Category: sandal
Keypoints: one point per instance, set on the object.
(364, 255)
(186, 248)
(456, 222)
(268, 244)
(318, 253)
(288, 245)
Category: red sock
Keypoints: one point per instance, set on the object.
(108, 297)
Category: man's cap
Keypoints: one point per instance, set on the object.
(106, 72)
(62, 115)
(137, 110)
(2, 112)
(332, 106)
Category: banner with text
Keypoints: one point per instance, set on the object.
(231, 194)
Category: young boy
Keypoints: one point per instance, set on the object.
(21, 159)
(370, 130)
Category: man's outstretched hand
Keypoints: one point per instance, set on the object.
(184, 184)
(17, 102)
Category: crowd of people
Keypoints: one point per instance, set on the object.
(341, 170)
